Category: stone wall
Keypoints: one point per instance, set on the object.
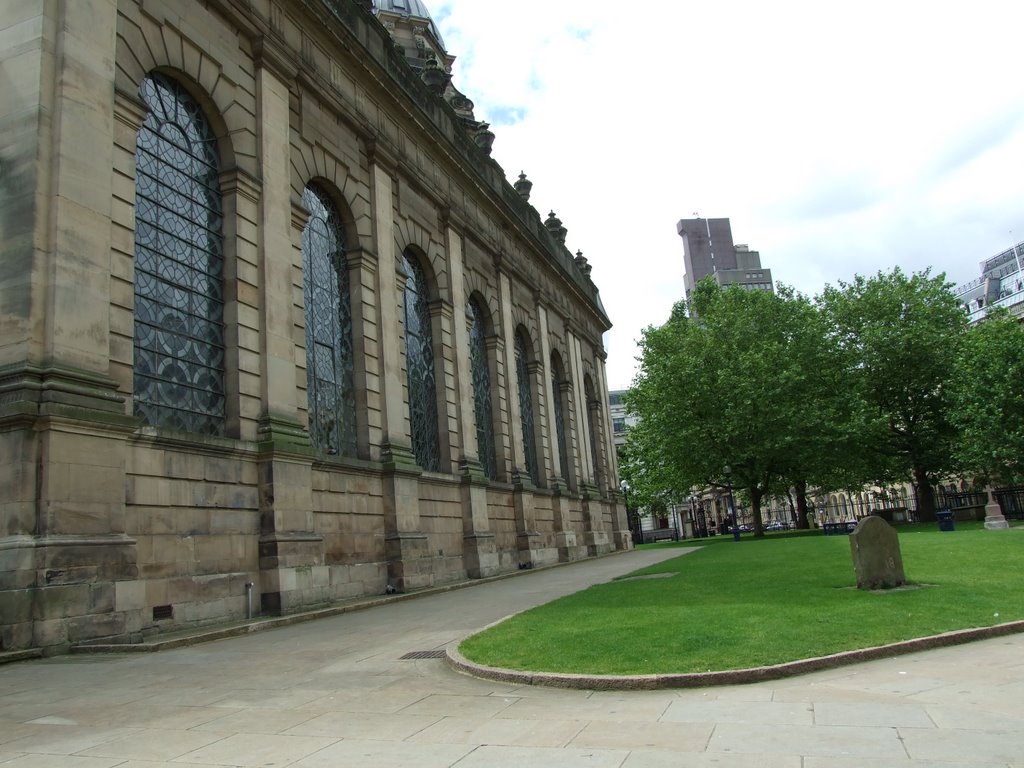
(110, 528)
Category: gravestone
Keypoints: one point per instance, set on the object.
(875, 547)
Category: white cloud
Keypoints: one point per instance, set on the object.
(838, 139)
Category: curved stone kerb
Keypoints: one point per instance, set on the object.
(725, 677)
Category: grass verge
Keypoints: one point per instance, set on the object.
(760, 602)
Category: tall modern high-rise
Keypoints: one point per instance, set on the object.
(708, 249)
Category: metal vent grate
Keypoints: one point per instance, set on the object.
(424, 655)
(161, 612)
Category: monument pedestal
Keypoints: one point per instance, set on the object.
(994, 519)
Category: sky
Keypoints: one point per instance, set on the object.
(839, 139)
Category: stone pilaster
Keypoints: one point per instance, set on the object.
(607, 455)
(620, 525)
(565, 537)
(515, 417)
(291, 558)
(595, 537)
(580, 412)
(362, 272)
(291, 554)
(593, 422)
(479, 550)
(63, 428)
(565, 392)
(277, 337)
(500, 406)
(409, 563)
(64, 544)
(545, 412)
(529, 540)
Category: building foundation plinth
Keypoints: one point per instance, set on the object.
(481, 555)
(409, 564)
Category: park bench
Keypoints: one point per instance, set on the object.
(838, 529)
(659, 534)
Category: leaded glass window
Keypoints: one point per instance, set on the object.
(179, 303)
(557, 379)
(329, 356)
(419, 360)
(526, 407)
(481, 388)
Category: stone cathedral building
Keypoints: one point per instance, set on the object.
(273, 322)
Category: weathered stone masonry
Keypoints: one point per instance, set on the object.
(114, 528)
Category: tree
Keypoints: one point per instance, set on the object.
(900, 336)
(733, 382)
(988, 399)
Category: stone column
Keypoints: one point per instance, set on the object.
(500, 404)
(479, 551)
(279, 420)
(515, 417)
(63, 428)
(550, 457)
(579, 405)
(527, 537)
(291, 553)
(620, 525)
(362, 274)
(565, 537)
(409, 564)
(594, 535)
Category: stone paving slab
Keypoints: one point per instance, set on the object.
(337, 692)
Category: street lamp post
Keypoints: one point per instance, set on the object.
(732, 506)
(629, 520)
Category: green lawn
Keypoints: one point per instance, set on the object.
(763, 601)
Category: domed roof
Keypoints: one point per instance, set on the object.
(410, 8)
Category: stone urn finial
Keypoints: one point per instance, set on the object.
(554, 226)
(484, 137)
(582, 263)
(523, 186)
(435, 77)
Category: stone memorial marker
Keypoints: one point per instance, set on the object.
(875, 547)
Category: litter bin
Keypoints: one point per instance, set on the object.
(945, 518)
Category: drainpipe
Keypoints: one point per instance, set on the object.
(248, 599)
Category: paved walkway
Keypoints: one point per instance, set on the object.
(336, 692)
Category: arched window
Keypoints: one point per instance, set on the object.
(329, 357)
(526, 406)
(179, 303)
(481, 388)
(558, 407)
(419, 360)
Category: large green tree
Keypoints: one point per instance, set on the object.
(743, 379)
(901, 336)
(988, 400)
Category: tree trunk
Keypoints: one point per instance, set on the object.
(925, 496)
(800, 486)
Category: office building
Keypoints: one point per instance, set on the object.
(708, 250)
(1001, 284)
